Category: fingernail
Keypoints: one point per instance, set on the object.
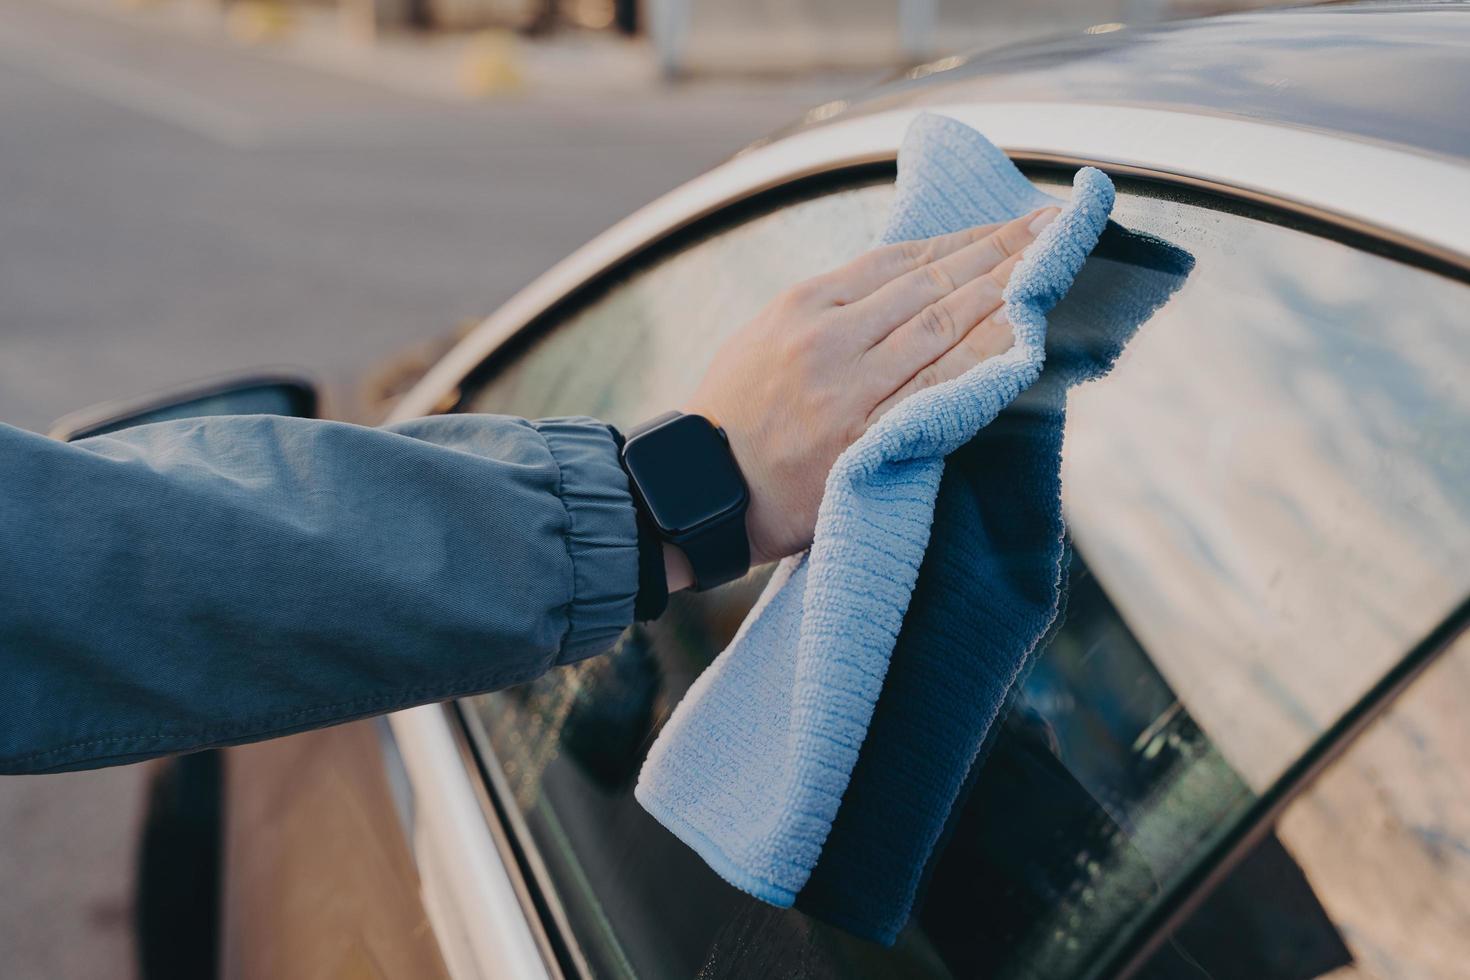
(1042, 220)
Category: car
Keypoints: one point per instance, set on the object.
(1243, 753)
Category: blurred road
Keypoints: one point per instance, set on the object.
(173, 206)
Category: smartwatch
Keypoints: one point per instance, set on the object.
(685, 482)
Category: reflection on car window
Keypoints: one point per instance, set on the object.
(1098, 791)
(1265, 496)
(644, 341)
(1290, 439)
(1368, 873)
(1384, 835)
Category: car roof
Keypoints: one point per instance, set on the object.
(1396, 73)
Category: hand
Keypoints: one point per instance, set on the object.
(798, 384)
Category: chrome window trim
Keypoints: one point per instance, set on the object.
(1420, 202)
(512, 834)
(1392, 193)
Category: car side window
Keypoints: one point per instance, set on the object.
(640, 343)
(1267, 499)
(1383, 836)
(1368, 871)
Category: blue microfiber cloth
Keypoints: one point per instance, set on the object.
(986, 600)
(751, 767)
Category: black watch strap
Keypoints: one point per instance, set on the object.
(717, 554)
(653, 583)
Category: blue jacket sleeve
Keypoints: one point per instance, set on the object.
(212, 581)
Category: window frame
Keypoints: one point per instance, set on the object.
(661, 228)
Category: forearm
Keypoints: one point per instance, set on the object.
(220, 580)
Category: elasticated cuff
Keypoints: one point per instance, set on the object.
(602, 534)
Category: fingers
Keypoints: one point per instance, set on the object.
(990, 337)
(902, 302)
(936, 329)
(875, 268)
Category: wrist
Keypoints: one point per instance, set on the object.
(740, 451)
(677, 571)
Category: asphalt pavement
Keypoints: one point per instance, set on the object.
(174, 205)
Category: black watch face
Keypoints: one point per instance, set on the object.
(685, 473)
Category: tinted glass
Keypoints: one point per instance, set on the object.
(1384, 835)
(1368, 874)
(1269, 493)
(1274, 482)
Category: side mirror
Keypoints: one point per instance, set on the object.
(253, 394)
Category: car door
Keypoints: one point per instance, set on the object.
(1268, 513)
